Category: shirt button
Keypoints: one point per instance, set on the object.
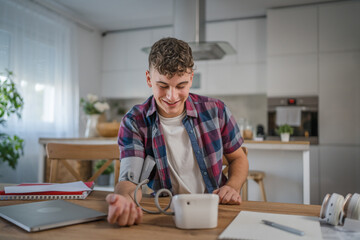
(205, 173)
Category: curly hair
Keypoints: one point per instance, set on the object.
(170, 56)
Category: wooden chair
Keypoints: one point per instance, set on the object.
(61, 153)
(257, 176)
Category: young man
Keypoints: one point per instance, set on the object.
(186, 134)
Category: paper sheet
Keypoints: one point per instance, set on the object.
(60, 187)
(248, 225)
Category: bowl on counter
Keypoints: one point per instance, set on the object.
(108, 129)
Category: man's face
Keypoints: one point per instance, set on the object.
(170, 94)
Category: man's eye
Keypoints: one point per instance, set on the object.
(180, 87)
(163, 86)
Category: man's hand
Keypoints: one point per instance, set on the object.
(123, 211)
(228, 195)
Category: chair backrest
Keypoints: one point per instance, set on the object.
(226, 163)
(58, 152)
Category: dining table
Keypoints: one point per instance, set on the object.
(153, 226)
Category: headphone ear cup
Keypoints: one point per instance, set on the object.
(331, 209)
(353, 207)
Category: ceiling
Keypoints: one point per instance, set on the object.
(109, 15)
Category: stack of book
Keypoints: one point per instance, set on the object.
(44, 191)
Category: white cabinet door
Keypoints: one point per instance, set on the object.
(136, 58)
(125, 84)
(223, 31)
(233, 79)
(114, 52)
(292, 30)
(245, 72)
(339, 169)
(292, 75)
(339, 98)
(251, 41)
(314, 175)
(292, 50)
(339, 26)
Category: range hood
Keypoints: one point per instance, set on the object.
(189, 26)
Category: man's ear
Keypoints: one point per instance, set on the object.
(148, 79)
(191, 78)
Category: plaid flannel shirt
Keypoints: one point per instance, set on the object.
(212, 131)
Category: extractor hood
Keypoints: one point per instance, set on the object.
(189, 26)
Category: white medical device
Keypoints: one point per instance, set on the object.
(190, 211)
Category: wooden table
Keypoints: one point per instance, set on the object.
(153, 226)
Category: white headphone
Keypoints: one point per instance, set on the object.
(335, 208)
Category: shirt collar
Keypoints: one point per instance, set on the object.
(189, 105)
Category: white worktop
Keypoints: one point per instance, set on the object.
(250, 144)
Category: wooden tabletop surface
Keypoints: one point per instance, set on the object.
(153, 226)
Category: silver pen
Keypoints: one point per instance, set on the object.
(283, 227)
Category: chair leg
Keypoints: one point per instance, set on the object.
(117, 172)
(262, 188)
(244, 191)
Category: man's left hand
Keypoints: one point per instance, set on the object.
(228, 195)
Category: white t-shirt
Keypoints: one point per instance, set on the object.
(184, 170)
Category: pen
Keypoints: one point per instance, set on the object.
(283, 227)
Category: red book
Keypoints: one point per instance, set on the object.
(46, 195)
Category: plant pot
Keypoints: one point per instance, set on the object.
(285, 137)
(103, 180)
(91, 123)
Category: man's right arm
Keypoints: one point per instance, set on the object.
(122, 208)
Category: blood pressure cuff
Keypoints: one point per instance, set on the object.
(138, 168)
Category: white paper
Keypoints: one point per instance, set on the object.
(59, 187)
(248, 225)
(330, 232)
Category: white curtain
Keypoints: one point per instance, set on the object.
(39, 47)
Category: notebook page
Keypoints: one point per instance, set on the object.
(248, 225)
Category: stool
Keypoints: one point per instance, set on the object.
(258, 177)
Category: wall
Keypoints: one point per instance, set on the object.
(89, 68)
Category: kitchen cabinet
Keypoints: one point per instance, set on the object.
(314, 175)
(339, 100)
(243, 72)
(124, 64)
(292, 30)
(236, 79)
(339, 169)
(125, 84)
(292, 75)
(114, 52)
(122, 51)
(222, 31)
(251, 41)
(339, 26)
(292, 51)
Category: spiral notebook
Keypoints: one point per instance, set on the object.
(248, 225)
(43, 195)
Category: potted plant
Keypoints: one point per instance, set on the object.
(11, 147)
(104, 178)
(285, 131)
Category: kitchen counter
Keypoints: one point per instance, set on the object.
(286, 165)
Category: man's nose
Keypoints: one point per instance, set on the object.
(172, 94)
